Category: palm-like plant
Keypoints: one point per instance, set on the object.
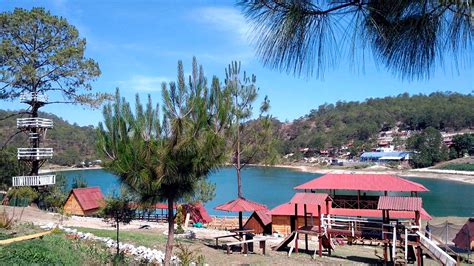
(162, 159)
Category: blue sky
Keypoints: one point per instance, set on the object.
(138, 43)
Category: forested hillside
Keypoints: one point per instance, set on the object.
(334, 125)
(71, 142)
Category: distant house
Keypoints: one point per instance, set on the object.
(394, 156)
(465, 237)
(84, 201)
(260, 221)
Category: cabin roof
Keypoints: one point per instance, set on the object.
(89, 198)
(240, 204)
(309, 198)
(399, 203)
(264, 216)
(364, 182)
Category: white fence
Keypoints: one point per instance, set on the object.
(38, 180)
(35, 153)
(34, 122)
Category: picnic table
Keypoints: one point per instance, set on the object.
(239, 234)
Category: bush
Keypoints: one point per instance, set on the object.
(6, 221)
(22, 196)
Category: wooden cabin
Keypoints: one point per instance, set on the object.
(260, 221)
(84, 201)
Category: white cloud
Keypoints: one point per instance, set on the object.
(144, 83)
(225, 19)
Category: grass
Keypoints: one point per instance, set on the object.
(458, 167)
(55, 249)
(148, 239)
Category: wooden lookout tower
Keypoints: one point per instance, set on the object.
(35, 155)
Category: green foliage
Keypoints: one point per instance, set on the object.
(54, 250)
(55, 196)
(463, 144)
(459, 167)
(117, 209)
(408, 37)
(161, 160)
(26, 194)
(6, 220)
(187, 255)
(79, 182)
(429, 148)
(341, 123)
(179, 220)
(44, 53)
(9, 167)
(204, 191)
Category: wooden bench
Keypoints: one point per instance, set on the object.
(245, 243)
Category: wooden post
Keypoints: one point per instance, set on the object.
(296, 227)
(419, 253)
(358, 199)
(320, 233)
(384, 220)
(305, 225)
(388, 239)
(327, 228)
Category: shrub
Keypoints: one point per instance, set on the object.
(6, 221)
(23, 195)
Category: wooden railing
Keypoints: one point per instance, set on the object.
(354, 204)
(34, 122)
(35, 153)
(37, 180)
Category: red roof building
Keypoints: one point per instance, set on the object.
(260, 221)
(344, 204)
(363, 182)
(84, 201)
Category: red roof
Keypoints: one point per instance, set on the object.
(366, 182)
(378, 213)
(399, 203)
(198, 213)
(309, 198)
(89, 198)
(264, 216)
(289, 209)
(240, 205)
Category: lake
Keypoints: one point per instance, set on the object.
(273, 186)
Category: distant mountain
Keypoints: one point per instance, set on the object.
(358, 123)
(71, 142)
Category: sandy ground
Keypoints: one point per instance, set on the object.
(56, 168)
(458, 176)
(342, 255)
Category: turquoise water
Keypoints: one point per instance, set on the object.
(273, 186)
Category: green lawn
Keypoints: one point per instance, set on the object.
(55, 249)
(148, 239)
(459, 167)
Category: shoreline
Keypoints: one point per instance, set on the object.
(67, 169)
(457, 176)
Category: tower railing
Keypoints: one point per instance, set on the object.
(34, 122)
(37, 180)
(33, 97)
(34, 153)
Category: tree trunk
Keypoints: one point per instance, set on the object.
(169, 242)
(118, 248)
(35, 143)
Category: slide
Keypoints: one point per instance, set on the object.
(285, 241)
